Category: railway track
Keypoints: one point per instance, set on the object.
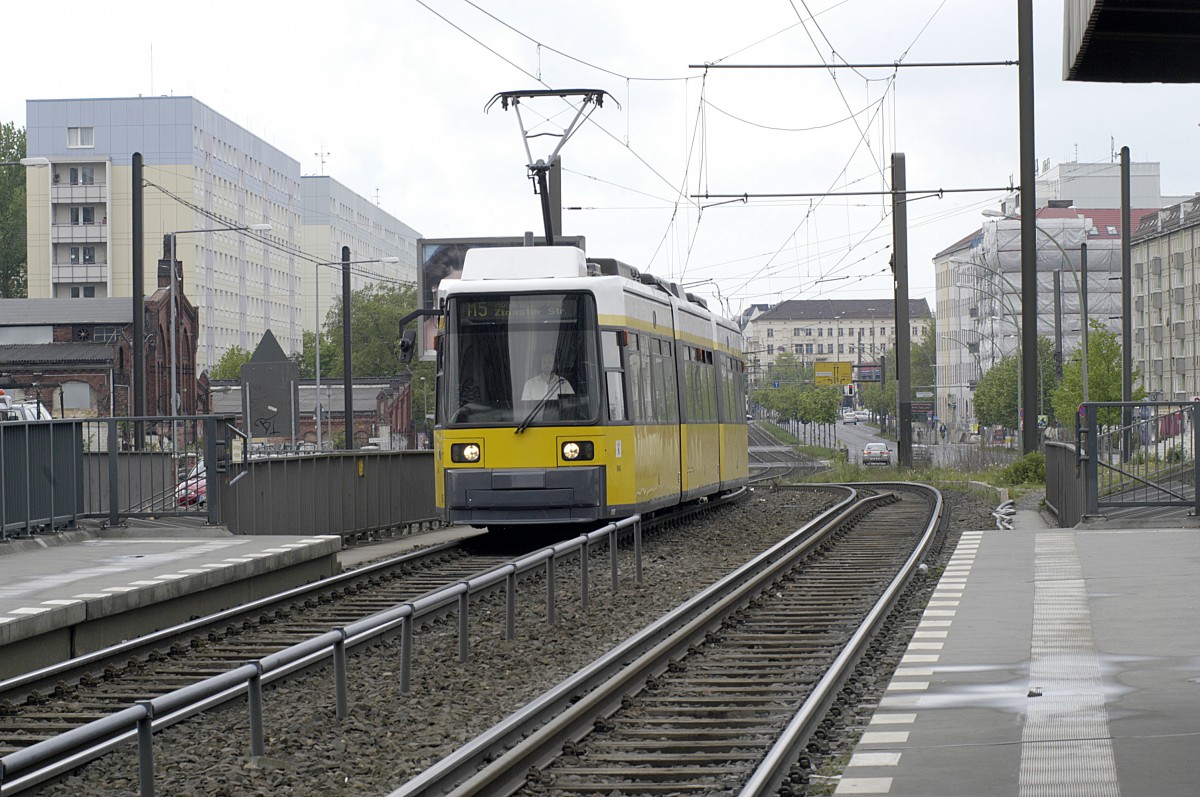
(44, 707)
(725, 693)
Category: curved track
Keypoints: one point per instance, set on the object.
(722, 694)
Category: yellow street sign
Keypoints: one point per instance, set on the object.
(835, 373)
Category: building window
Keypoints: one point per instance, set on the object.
(796, 332)
(820, 334)
(105, 333)
(808, 348)
(798, 348)
(770, 348)
(85, 291)
(770, 333)
(81, 137)
(89, 254)
(74, 255)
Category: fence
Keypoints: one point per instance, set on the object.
(1065, 484)
(1139, 454)
(54, 472)
(41, 478)
(346, 492)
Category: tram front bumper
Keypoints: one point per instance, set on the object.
(527, 495)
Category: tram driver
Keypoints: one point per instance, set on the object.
(546, 384)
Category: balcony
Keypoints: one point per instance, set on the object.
(1181, 330)
(1179, 295)
(79, 272)
(79, 233)
(1156, 334)
(1139, 335)
(1139, 303)
(79, 193)
(1156, 299)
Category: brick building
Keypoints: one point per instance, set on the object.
(76, 356)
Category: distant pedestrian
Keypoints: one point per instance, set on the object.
(943, 432)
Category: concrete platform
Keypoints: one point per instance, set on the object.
(1049, 661)
(73, 593)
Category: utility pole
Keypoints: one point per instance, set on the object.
(1029, 429)
(347, 371)
(903, 337)
(139, 288)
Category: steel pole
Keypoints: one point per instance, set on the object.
(317, 313)
(139, 310)
(174, 360)
(1083, 318)
(347, 370)
(903, 337)
(1127, 308)
(1029, 436)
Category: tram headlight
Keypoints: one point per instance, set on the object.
(465, 452)
(578, 451)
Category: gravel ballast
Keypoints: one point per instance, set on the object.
(389, 737)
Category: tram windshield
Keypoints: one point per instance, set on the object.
(524, 360)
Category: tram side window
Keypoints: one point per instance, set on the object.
(636, 403)
(666, 400)
(613, 375)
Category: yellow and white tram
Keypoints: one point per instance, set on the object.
(576, 391)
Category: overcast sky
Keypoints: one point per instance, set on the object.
(394, 94)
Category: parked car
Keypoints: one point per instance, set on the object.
(849, 417)
(876, 454)
(193, 490)
(863, 415)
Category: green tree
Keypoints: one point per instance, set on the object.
(1104, 377)
(13, 256)
(306, 358)
(375, 313)
(230, 364)
(996, 393)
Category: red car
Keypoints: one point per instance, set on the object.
(193, 490)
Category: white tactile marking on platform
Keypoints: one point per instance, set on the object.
(90, 595)
(1065, 745)
(62, 602)
(934, 624)
(900, 701)
(893, 719)
(908, 686)
(874, 760)
(6, 619)
(925, 646)
(26, 611)
(864, 786)
(120, 589)
(913, 672)
(275, 550)
(939, 613)
(918, 658)
(946, 595)
(919, 634)
(942, 603)
(145, 583)
(884, 737)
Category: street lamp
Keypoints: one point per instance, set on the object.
(317, 314)
(174, 315)
(1080, 288)
(37, 162)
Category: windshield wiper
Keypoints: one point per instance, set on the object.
(553, 391)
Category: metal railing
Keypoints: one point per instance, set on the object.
(52, 473)
(1138, 454)
(45, 759)
(41, 479)
(1065, 494)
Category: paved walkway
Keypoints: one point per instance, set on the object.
(1048, 662)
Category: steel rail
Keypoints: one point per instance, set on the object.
(773, 769)
(566, 711)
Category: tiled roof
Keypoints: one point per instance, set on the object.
(833, 309)
(33, 354)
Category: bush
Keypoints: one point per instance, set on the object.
(1029, 469)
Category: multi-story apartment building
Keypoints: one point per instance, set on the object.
(1165, 261)
(333, 216)
(978, 278)
(825, 330)
(201, 172)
